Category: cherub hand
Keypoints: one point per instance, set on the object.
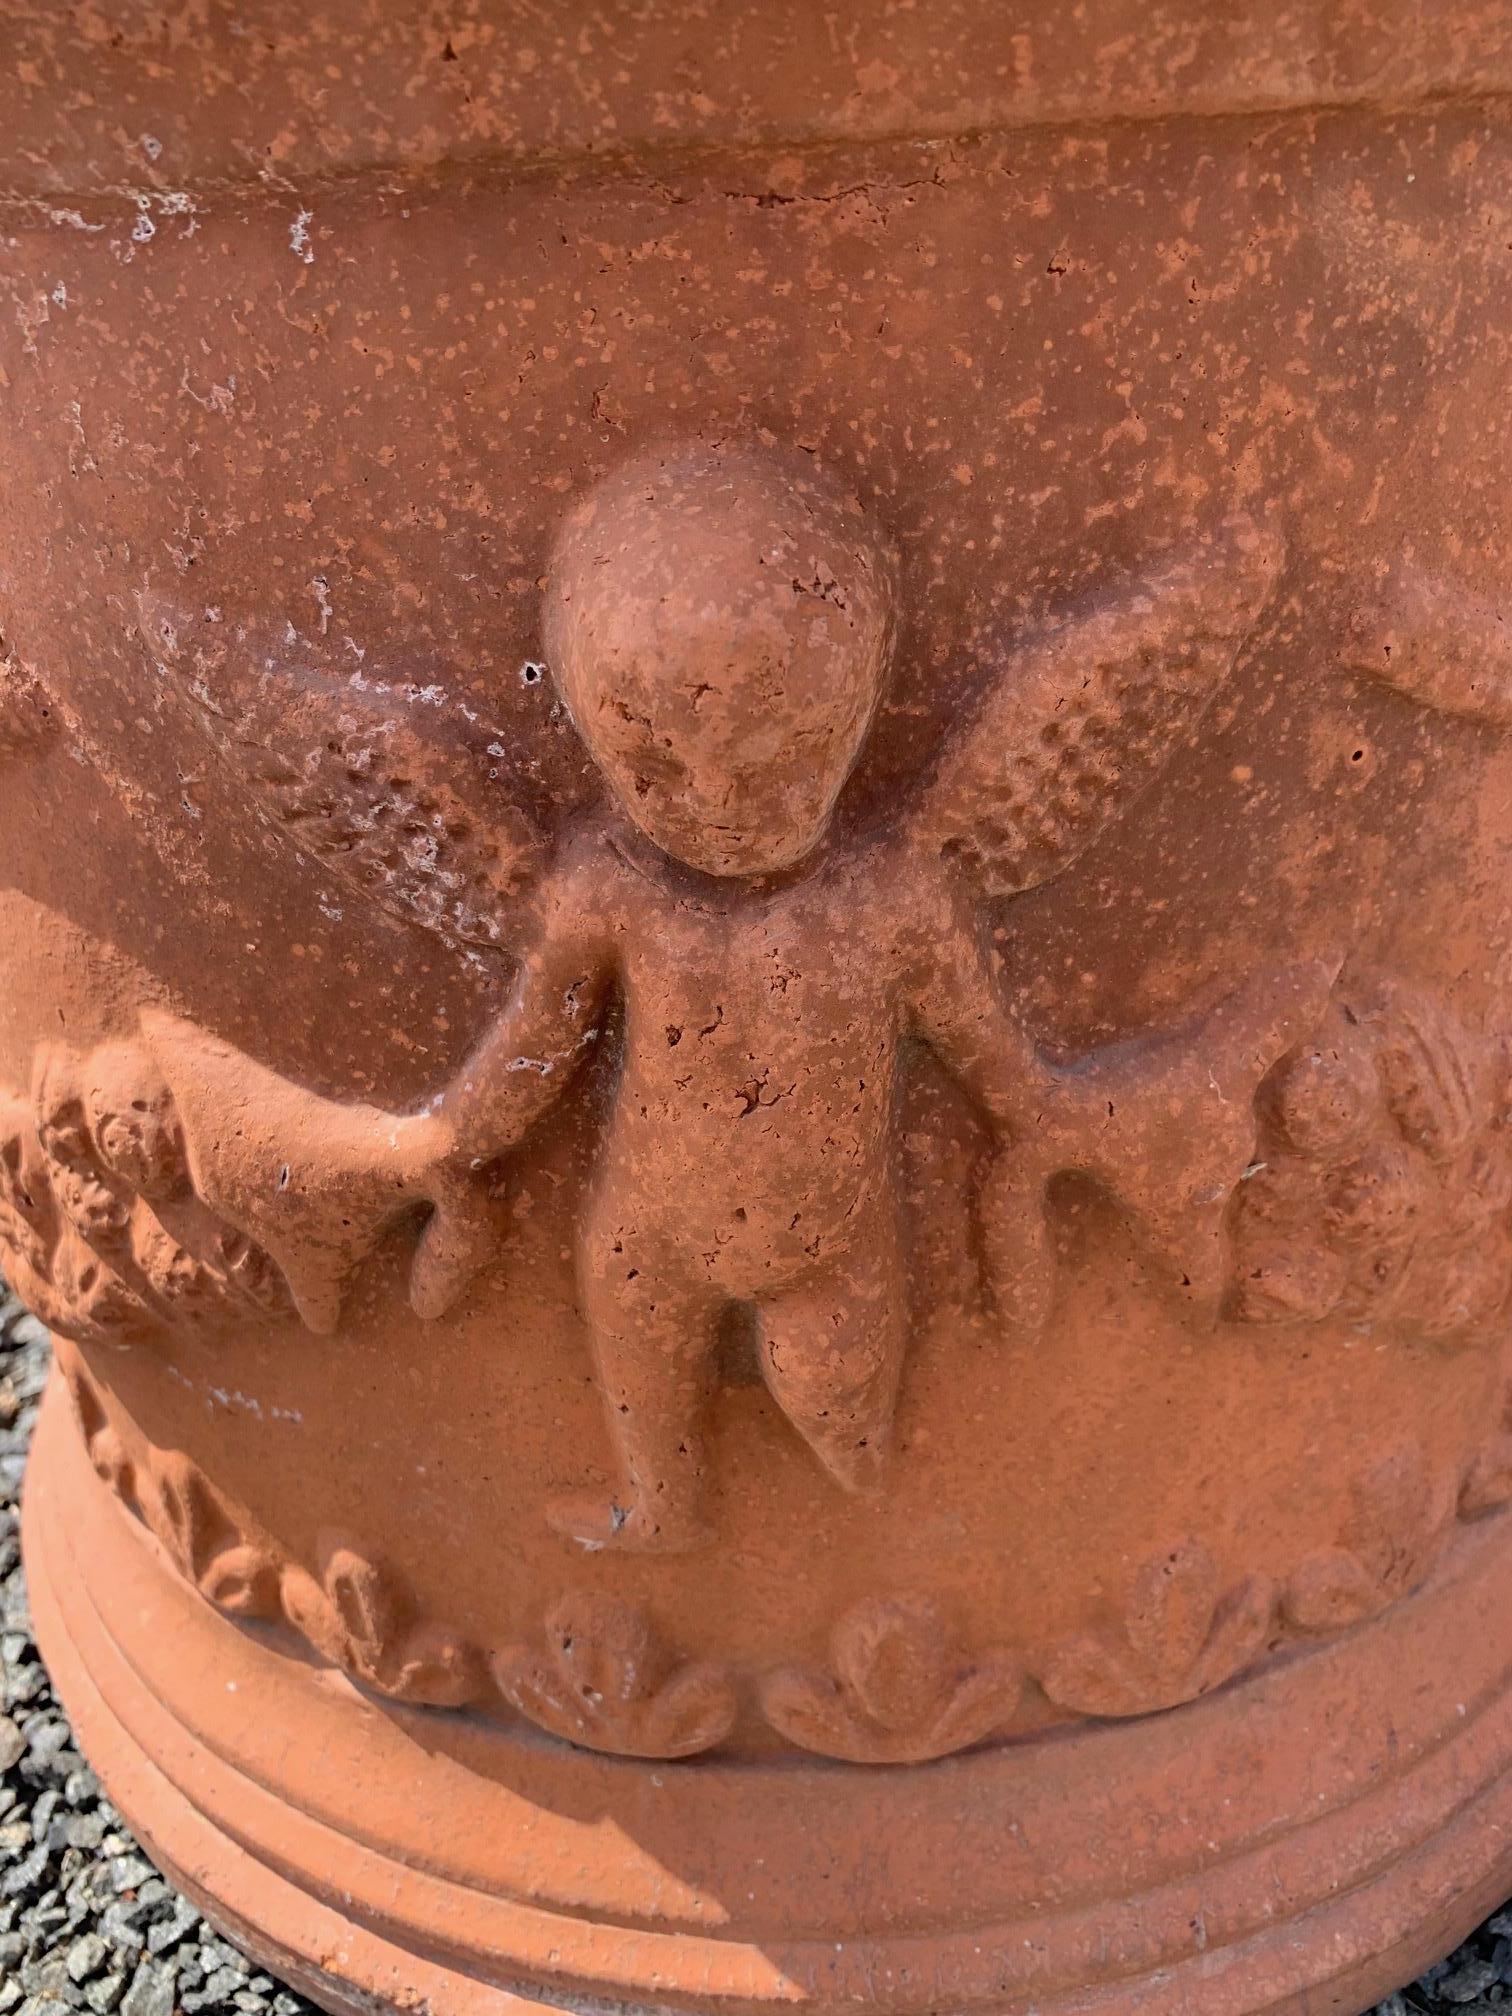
(461, 1235)
(315, 1181)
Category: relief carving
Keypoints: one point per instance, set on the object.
(1397, 1525)
(103, 1231)
(898, 1687)
(719, 624)
(719, 627)
(102, 1443)
(1178, 1632)
(1383, 1179)
(354, 1614)
(606, 1681)
(899, 1690)
(203, 1540)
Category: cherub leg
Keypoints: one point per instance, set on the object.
(653, 1341)
(831, 1353)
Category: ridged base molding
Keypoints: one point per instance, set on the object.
(1300, 1842)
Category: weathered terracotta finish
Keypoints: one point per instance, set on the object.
(755, 829)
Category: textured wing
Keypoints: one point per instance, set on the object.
(406, 795)
(1088, 712)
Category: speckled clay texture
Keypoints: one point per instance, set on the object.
(755, 834)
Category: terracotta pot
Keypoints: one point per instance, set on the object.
(756, 847)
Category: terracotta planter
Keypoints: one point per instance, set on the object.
(756, 937)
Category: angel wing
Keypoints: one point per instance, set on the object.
(1437, 642)
(403, 793)
(1091, 710)
(427, 811)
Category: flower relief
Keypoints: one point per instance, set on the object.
(1382, 1180)
(899, 1688)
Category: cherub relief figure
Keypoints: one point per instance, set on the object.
(719, 625)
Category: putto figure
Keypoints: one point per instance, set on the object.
(719, 625)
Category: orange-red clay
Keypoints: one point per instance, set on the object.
(756, 825)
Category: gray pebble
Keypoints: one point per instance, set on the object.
(84, 1830)
(87, 1956)
(215, 1952)
(49, 1978)
(151, 1991)
(181, 1920)
(1467, 1982)
(118, 1926)
(221, 1985)
(12, 1743)
(26, 1877)
(129, 1872)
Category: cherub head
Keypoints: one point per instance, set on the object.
(719, 622)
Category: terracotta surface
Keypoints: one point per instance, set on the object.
(755, 847)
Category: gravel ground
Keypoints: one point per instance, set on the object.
(87, 1923)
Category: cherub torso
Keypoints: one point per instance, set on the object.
(750, 1120)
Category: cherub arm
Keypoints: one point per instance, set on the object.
(548, 1026)
(183, 1120)
(1164, 1121)
(956, 1005)
(521, 1067)
(1082, 713)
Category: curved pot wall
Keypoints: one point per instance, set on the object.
(755, 825)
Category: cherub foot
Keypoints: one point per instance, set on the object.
(633, 1527)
